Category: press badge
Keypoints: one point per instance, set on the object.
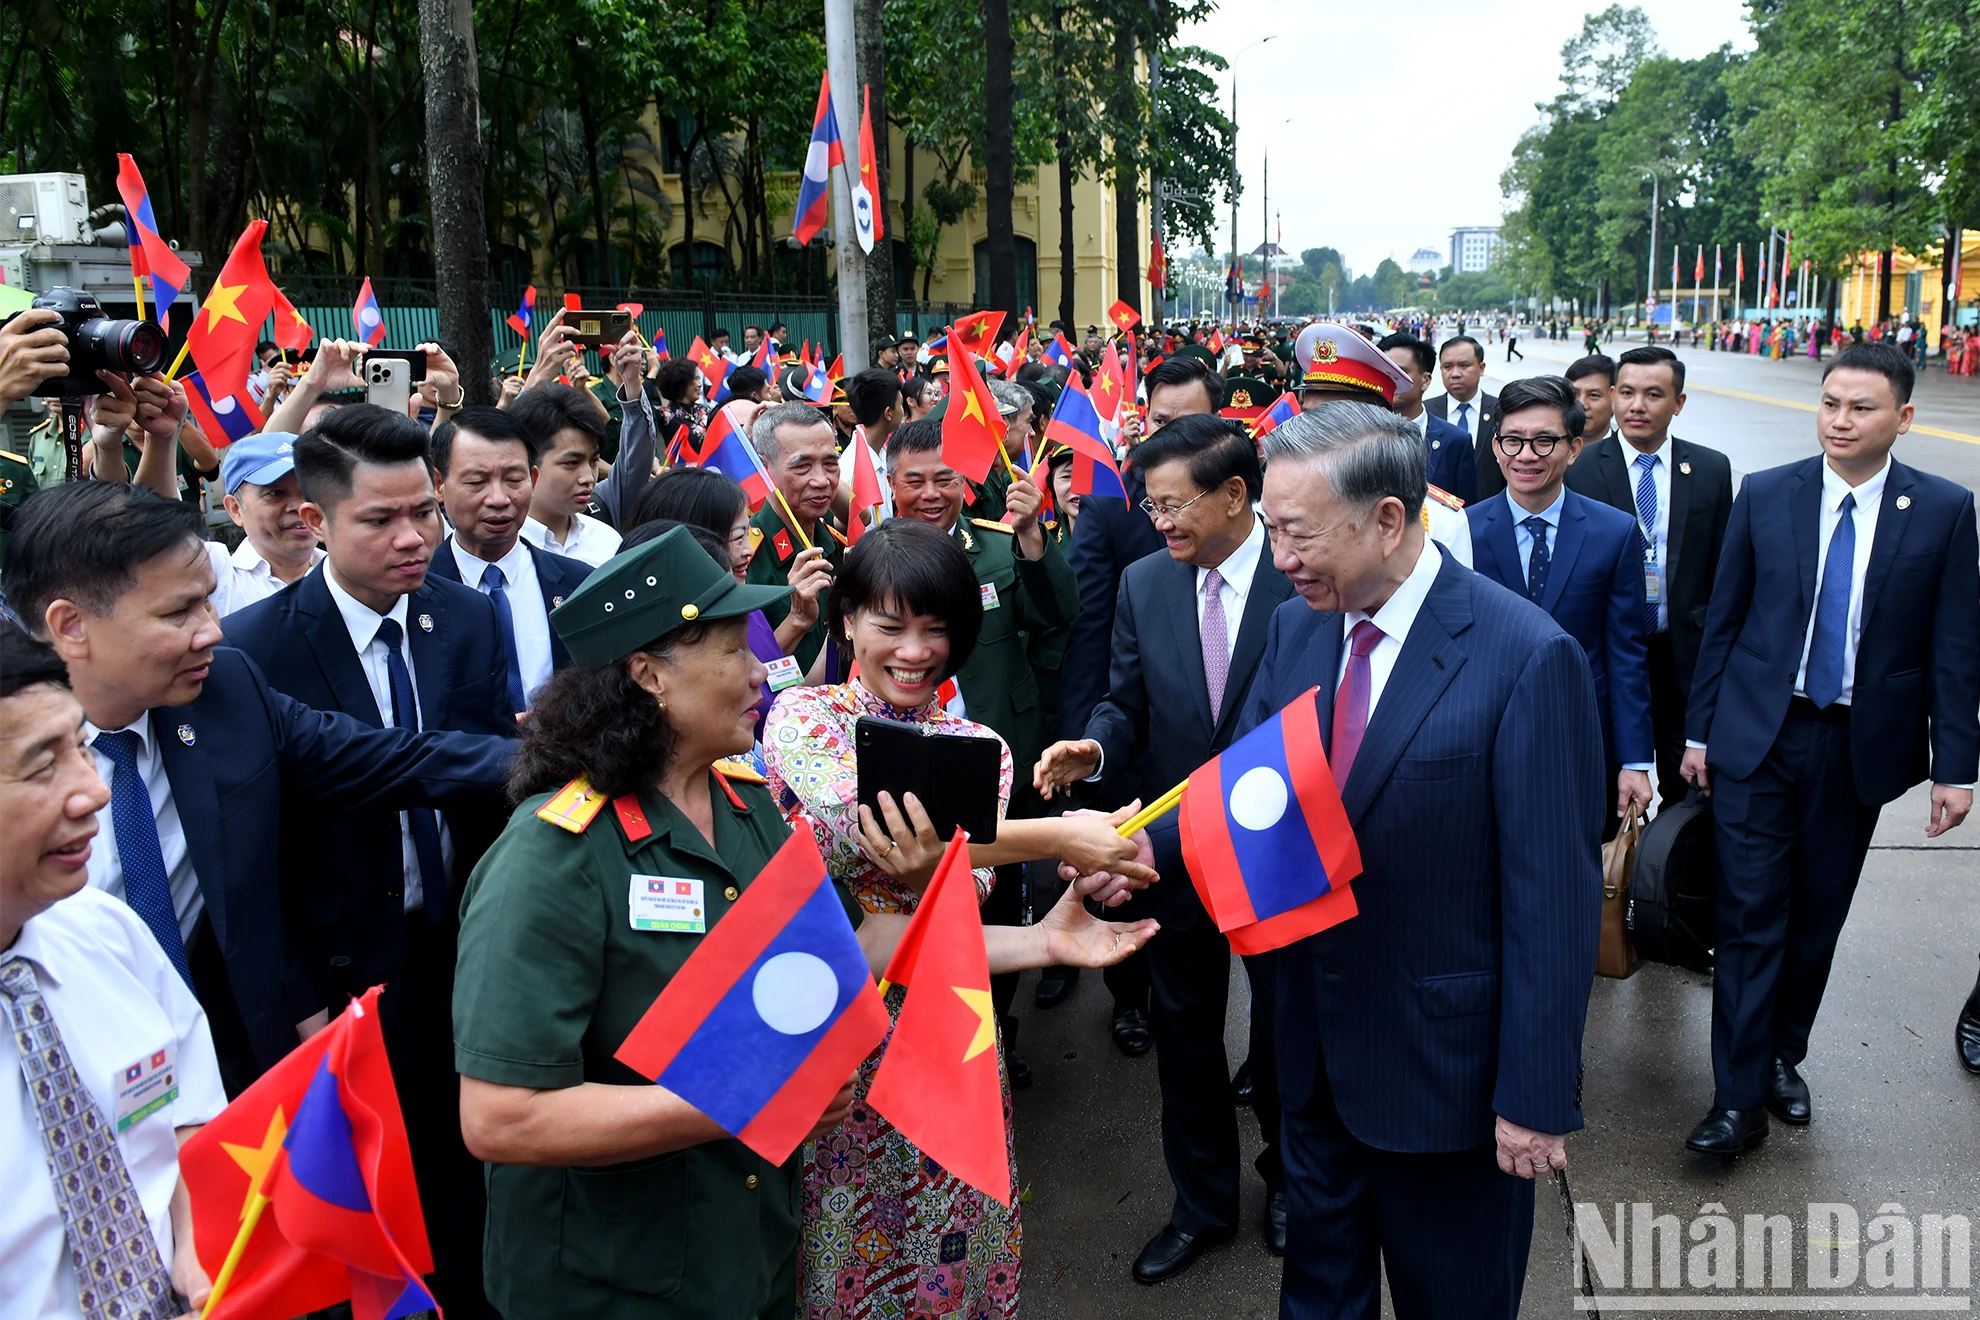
(784, 671)
(1652, 594)
(989, 593)
(667, 902)
(145, 1087)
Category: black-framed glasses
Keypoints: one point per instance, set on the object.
(1543, 445)
(1155, 510)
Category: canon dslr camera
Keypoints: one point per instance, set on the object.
(98, 343)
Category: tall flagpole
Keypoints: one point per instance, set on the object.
(842, 65)
(1718, 277)
(1697, 274)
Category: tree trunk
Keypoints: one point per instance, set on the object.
(1127, 210)
(1068, 176)
(601, 219)
(881, 318)
(1000, 187)
(907, 211)
(1887, 271)
(454, 188)
(687, 207)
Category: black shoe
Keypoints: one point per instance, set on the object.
(1132, 1036)
(1787, 1096)
(1967, 1034)
(1054, 984)
(1728, 1132)
(1241, 1084)
(1170, 1252)
(1014, 1064)
(1275, 1223)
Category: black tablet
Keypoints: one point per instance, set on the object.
(953, 775)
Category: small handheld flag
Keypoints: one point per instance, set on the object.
(365, 316)
(714, 367)
(1123, 316)
(292, 331)
(771, 1012)
(972, 432)
(223, 336)
(867, 492)
(660, 343)
(1283, 410)
(151, 256)
(1264, 835)
(524, 316)
(1059, 352)
(977, 331)
(728, 451)
(825, 151)
(224, 420)
(1076, 424)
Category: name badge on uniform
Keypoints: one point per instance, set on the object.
(1652, 591)
(146, 1087)
(784, 671)
(667, 902)
(989, 593)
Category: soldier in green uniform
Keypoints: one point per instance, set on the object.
(16, 484)
(611, 1197)
(800, 452)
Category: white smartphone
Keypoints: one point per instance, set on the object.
(388, 383)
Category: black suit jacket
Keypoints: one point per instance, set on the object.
(347, 894)
(1916, 690)
(557, 576)
(1484, 426)
(232, 753)
(1157, 674)
(1109, 535)
(1701, 502)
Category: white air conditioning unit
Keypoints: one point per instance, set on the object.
(38, 208)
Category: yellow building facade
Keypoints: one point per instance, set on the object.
(1915, 290)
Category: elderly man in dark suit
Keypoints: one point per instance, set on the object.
(1429, 1049)
(1840, 666)
(1189, 626)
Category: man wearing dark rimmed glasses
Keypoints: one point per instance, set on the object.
(1579, 560)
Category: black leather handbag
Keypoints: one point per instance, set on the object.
(1674, 890)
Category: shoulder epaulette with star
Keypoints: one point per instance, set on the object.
(989, 526)
(1445, 498)
(574, 807)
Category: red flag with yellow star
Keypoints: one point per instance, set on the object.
(938, 1079)
(292, 331)
(972, 432)
(976, 332)
(223, 335)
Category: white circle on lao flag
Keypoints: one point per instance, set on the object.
(223, 406)
(795, 992)
(1259, 798)
(369, 316)
(814, 162)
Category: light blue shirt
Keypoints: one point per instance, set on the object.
(1523, 539)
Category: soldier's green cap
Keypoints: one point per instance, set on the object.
(637, 597)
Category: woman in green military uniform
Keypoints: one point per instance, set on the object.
(608, 1196)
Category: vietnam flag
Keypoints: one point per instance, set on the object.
(1111, 393)
(292, 332)
(977, 331)
(714, 367)
(938, 1079)
(869, 175)
(867, 492)
(223, 335)
(1123, 316)
(972, 432)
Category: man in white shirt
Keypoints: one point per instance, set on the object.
(264, 500)
(90, 1010)
(569, 429)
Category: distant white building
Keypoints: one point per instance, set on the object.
(1425, 259)
(1474, 248)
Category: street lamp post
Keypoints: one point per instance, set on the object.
(1238, 293)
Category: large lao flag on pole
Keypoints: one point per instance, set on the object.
(1265, 837)
(771, 1013)
(825, 151)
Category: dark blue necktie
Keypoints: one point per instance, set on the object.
(1646, 518)
(496, 584)
(1464, 418)
(1825, 651)
(425, 829)
(147, 888)
(1536, 561)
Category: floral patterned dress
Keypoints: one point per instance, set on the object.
(888, 1234)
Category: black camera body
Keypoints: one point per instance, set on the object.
(98, 343)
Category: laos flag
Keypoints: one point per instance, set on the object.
(152, 258)
(730, 452)
(1265, 837)
(826, 150)
(1283, 410)
(1059, 352)
(1076, 424)
(771, 1012)
(222, 420)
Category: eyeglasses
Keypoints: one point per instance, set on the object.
(1543, 445)
(1155, 510)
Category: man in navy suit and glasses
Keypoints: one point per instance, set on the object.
(1840, 667)
(1429, 1048)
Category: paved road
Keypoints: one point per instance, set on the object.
(1896, 1122)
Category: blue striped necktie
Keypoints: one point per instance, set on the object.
(1646, 519)
(147, 886)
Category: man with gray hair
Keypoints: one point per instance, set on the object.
(1429, 1048)
(800, 451)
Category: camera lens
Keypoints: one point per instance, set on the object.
(133, 347)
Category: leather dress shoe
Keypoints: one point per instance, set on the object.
(1728, 1131)
(1787, 1096)
(1967, 1034)
(1170, 1252)
(1241, 1086)
(1132, 1035)
(1275, 1223)
(1054, 984)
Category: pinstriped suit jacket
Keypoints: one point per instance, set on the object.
(1460, 990)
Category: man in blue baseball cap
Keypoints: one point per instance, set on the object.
(264, 499)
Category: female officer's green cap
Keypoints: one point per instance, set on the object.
(639, 596)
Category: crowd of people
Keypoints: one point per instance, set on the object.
(367, 733)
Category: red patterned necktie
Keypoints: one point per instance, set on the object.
(1351, 700)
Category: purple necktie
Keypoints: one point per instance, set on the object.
(1352, 700)
(1216, 641)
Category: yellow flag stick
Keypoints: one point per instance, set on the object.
(790, 518)
(1154, 811)
(256, 1204)
(172, 372)
(137, 288)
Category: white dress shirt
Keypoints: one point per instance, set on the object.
(1395, 618)
(532, 620)
(362, 621)
(1657, 533)
(1869, 496)
(591, 540)
(117, 1003)
(1238, 571)
(1469, 423)
(106, 869)
(244, 577)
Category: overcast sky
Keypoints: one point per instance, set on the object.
(1389, 124)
